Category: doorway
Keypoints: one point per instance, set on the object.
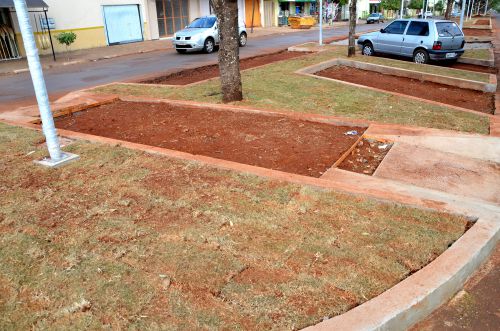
(123, 24)
(8, 44)
(252, 13)
(173, 15)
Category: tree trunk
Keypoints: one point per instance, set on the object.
(449, 9)
(229, 58)
(351, 50)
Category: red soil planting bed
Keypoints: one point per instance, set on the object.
(366, 157)
(269, 141)
(477, 32)
(470, 99)
(472, 67)
(482, 22)
(189, 76)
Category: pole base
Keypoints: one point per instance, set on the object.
(66, 158)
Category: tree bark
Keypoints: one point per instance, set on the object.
(351, 50)
(229, 57)
(449, 9)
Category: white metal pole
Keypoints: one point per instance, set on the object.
(426, 7)
(48, 127)
(486, 8)
(471, 9)
(401, 9)
(321, 23)
(462, 12)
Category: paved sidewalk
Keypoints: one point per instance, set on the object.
(476, 307)
(108, 52)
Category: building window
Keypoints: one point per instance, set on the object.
(173, 15)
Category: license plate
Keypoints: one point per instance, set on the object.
(450, 55)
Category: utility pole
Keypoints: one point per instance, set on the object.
(486, 8)
(57, 157)
(321, 23)
(401, 9)
(462, 14)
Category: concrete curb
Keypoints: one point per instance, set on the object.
(491, 86)
(411, 300)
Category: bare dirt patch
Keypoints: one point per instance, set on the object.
(189, 76)
(366, 157)
(470, 99)
(274, 142)
(482, 22)
(477, 32)
(472, 67)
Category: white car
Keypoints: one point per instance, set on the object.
(203, 34)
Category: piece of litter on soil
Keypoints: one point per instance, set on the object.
(30, 153)
(163, 276)
(83, 306)
(166, 283)
(365, 234)
(384, 146)
(351, 133)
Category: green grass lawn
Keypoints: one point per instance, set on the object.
(480, 54)
(431, 69)
(277, 87)
(127, 240)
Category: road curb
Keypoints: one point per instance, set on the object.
(413, 299)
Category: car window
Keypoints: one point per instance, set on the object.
(396, 27)
(448, 29)
(418, 29)
(202, 23)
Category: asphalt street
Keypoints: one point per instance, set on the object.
(59, 80)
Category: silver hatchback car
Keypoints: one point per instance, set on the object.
(422, 40)
(203, 34)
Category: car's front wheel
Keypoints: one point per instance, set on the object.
(209, 46)
(421, 56)
(243, 39)
(368, 49)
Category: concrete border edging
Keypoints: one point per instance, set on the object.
(489, 86)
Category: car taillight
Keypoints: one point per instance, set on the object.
(436, 45)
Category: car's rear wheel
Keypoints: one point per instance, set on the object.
(421, 56)
(209, 46)
(243, 39)
(368, 49)
(180, 51)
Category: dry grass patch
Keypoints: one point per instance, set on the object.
(123, 239)
(479, 53)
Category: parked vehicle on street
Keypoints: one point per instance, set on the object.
(421, 40)
(428, 14)
(375, 18)
(203, 35)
